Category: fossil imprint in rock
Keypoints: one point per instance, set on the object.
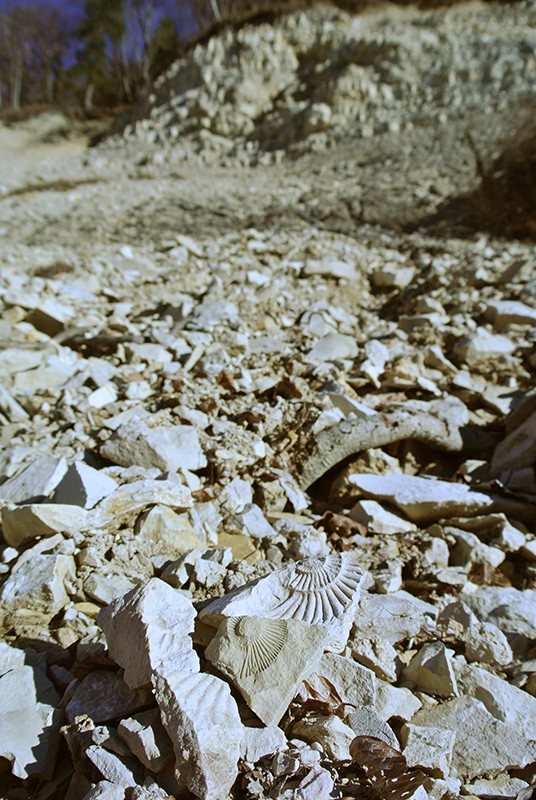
(319, 591)
(267, 659)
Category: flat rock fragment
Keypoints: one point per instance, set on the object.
(30, 720)
(148, 630)
(36, 481)
(354, 683)
(267, 659)
(425, 500)
(22, 524)
(365, 721)
(145, 736)
(202, 721)
(105, 790)
(428, 747)
(483, 743)
(320, 591)
(331, 733)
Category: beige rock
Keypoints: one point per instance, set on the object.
(396, 702)
(147, 631)
(354, 683)
(428, 747)
(431, 670)
(164, 532)
(165, 447)
(267, 659)
(23, 523)
(38, 585)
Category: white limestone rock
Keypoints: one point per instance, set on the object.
(512, 610)
(468, 549)
(330, 732)
(147, 739)
(355, 684)
(148, 630)
(377, 519)
(105, 588)
(333, 347)
(116, 769)
(163, 532)
(330, 267)
(166, 447)
(22, 524)
(127, 501)
(483, 641)
(83, 486)
(504, 701)
(428, 747)
(503, 313)
(425, 500)
(483, 744)
(482, 346)
(392, 276)
(105, 790)
(251, 522)
(38, 584)
(393, 617)
(394, 702)
(267, 659)
(431, 670)
(36, 481)
(202, 721)
(30, 720)
(261, 742)
(322, 591)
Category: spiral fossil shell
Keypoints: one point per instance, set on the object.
(319, 589)
(260, 640)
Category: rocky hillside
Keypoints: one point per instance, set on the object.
(267, 456)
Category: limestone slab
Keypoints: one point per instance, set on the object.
(36, 481)
(431, 670)
(165, 447)
(267, 659)
(104, 697)
(148, 630)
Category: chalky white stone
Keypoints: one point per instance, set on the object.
(148, 629)
(320, 591)
(202, 720)
(267, 659)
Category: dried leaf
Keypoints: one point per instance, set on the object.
(385, 768)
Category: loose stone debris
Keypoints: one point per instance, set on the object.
(267, 455)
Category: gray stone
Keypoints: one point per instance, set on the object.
(105, 790)
(517, 449)
(103, 696)
(393, 617)
(36, 481)
(105, 588)
(503, 313)
(147, 631)
(481, 347)
(202, 721)
(377, 519)
(267, 659)
(165, 447)
(511, 610)
(147, 739)
(119, 771)
(83, 486)
(365, 721)
(484, 641)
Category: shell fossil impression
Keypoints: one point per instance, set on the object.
(319, 589)
(261, 641)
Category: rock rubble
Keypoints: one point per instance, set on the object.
(267, 468)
